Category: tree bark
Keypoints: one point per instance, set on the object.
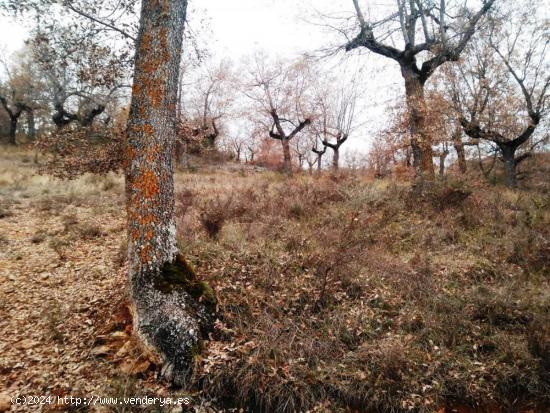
(287, 160)
(336, 159)
(421, 139)
(461, 156)
(168, 318)
(31, 132)
(509, 156)
(12, 137)
(442, 158)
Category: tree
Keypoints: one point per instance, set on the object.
(302, 149)
(501, 92)
(171, 308)
(236, 145)
(459, 145)
(14, 109)
(210, 101)
(169, 318)
(280, 95)
(253, 146)
(446, 29)
(319, 153)
(81, 80)
(18, 96)
(335, 121)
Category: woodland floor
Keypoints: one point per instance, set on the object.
(334, 293)
(64, 328)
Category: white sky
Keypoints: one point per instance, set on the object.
(280, 27)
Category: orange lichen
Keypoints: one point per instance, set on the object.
(152, 153)
(148, 130)
(145, 253)
(147, 184)
(130, 152)
(147, 220)
(136, 88)
(149, 234)
(134, 234)
(155, 92)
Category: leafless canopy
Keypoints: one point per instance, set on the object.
(437, 31)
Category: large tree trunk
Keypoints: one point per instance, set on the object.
(336, 159)
(509, 155)
(461, 157)
(168, 317)
(287, 161)
(442, 158)
(31, 127)
(459, 148)
(421, 139)
(12, 136)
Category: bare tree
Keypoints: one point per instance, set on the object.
(14, 109)
(460, 145)
(310, 160)
(252, 147)
(319, 153)
(280, 94)
(336, 115)
(81, 80)
(18, 96)
(503, 89)
(209, 100)
(445, 29)
(302, 148)
(236, 145)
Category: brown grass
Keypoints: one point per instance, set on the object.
(340, 292)
(337, 292)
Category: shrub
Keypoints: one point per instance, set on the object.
(89, 231)
(38, 237)
(184, 201)
(5, 212)
(214, 214)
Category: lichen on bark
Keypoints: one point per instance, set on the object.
(173, 308)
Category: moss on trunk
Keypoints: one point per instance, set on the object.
(181, 274)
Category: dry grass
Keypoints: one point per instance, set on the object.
(340, 292)
(337, 293)
(19, 179)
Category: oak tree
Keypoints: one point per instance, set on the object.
(501, 91)
(163, 286)
(420, 36)
(281, 98)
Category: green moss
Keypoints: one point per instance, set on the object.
(196, 350)
(206, 292)
(181, 274)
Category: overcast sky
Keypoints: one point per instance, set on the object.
(283, 28)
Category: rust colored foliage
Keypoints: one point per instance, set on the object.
(73, 152)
